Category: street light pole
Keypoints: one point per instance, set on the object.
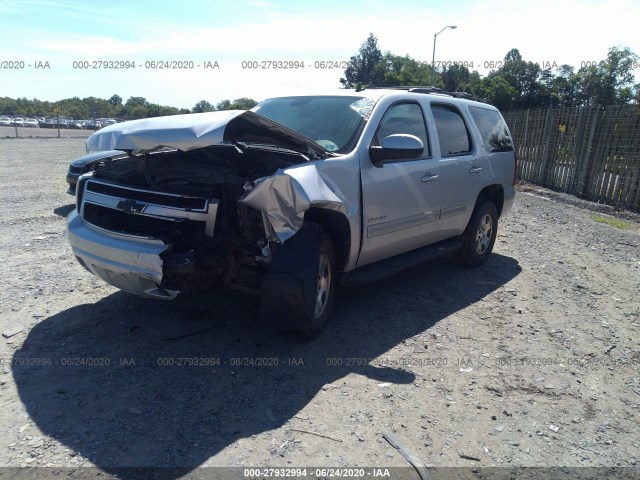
(435, 35)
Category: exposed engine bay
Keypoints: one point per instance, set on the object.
(190, 201)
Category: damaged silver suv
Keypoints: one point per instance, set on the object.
(295, 196)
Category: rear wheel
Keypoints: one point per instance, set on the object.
(480, 235)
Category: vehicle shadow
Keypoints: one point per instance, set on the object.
(116, 385)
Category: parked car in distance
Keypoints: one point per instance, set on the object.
(30, 122)
(5, 122)
(18, 121)
(295, 196)
(51, 123)
(93, 125)
(88, 163)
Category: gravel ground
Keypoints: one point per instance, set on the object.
(531, 360)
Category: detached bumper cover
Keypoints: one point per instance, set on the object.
(129, 263)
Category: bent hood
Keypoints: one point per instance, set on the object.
(197, 130)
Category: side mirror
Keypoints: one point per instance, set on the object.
(396, 146)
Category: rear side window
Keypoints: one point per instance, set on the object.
(452, 131)
(493, 129)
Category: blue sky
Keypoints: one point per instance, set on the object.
(60, 32)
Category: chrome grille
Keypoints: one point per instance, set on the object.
(140, 212)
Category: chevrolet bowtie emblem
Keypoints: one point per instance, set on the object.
(131, 206)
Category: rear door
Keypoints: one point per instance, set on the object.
(462, 169)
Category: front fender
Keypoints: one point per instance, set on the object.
(287, 194)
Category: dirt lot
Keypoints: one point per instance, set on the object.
(532, 360)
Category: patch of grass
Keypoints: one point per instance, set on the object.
(615, 222)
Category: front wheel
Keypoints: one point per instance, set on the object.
(320, 304)
(480, 235)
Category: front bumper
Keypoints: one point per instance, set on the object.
(130, 263)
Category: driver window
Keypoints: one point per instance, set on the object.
(403, 118)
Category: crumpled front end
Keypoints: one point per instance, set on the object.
(131, 264)
(160, 223)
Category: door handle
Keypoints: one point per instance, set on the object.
(475, 170)
(428, 178)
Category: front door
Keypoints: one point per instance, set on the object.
(400, 204)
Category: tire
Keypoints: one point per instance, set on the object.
(480, 235)
(319, 307)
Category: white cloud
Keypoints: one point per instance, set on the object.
(544, 31)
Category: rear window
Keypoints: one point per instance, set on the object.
(452, 132)
(493, 129)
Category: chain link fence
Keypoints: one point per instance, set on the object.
(591, 152)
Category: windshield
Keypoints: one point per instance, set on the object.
(334, 122)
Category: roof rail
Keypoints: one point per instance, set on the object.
(430, 89)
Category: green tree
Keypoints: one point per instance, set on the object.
(495, 90)
(155, 110)
(203, 106)
(8, 106)
(365, 68)
(525, 78)
(608, 82)
(404, 71)
(135, 107)
(41, 108)
(96, 108)
(135, 111)
(563, 85)
(588, 86)
(115, 100)
(223, 105)
(71, 107)
(617, 76)
(243, 103)
(136, 101)
(455, 78)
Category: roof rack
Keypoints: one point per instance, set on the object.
(429, 89)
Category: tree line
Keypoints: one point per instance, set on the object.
(114, 107)
(515, 84)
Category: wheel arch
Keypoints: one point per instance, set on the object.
(493, 193)
(336, 225)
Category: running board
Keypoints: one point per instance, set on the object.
(390, 266)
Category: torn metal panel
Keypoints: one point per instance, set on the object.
(286, 195)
